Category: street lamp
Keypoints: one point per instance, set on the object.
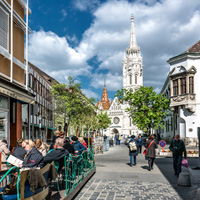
(40, 126)
(152, 124)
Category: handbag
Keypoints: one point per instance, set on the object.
(145, 151)
(184, 163)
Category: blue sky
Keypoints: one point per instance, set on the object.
(87, 38)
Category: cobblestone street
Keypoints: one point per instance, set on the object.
(116, 180)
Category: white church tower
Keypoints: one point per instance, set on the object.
(132, 63)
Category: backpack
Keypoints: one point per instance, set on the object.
(132, 146)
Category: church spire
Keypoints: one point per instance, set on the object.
(132, 37)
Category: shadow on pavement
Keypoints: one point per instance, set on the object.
(145, 167)
(166, 167)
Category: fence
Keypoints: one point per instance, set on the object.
(77, 170)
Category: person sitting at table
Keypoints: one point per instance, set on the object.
(19, 152)
(4, 151)
(57, 154)
(33, 157)
(68, 146)
(78, 147)
(83, 142)
(40, 147)
(56, 135)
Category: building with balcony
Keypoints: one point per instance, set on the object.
(181, 87)
(14, 93)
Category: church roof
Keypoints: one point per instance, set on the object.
(194, 48)
(105, 99)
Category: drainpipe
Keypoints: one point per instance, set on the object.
(27, 45)
(11, 50)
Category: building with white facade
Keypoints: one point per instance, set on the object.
(181, 87)
(132, 78)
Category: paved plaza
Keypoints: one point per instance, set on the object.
(116, 180)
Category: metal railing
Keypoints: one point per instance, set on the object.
(77, 168)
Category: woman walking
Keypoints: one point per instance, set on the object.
(133, 150)
(150, 155)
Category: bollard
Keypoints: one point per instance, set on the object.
(184, 179)
(198, 194)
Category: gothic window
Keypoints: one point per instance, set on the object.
(130, 79)
(175, 87)
(183, 86)
(135, 78)
(191, 85)
(130, 122)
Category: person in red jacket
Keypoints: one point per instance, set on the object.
(82, 141)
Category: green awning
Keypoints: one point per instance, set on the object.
(115, 126)
(53, 129)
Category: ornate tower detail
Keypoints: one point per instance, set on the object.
(105, 99)
(132, 63)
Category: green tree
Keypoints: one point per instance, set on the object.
(103, 121)
(70, 103)
(146, 108)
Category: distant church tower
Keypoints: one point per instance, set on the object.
(132, 63)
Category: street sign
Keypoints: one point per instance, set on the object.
(162, 143)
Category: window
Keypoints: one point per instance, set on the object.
(175, 87)
(130, 77)
(183, 86)
(4, 32)
(191, 85)
(135, 78)
(130, 122)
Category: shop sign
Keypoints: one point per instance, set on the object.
(3, 102)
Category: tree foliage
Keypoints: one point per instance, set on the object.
(103, 120)
(146, 108)
(70, 102)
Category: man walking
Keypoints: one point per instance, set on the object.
(140, 143)
(177, 147)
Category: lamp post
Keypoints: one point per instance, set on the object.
(40, 126)
(152, 124)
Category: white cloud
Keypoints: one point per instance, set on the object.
(84, 5)
(113, 81)
(64, 14)
(162, 30)
(89, 93)
(54, 55)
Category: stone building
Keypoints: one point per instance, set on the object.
(181, 87)
(132, 78)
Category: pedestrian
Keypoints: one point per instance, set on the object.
(4, 151)
(83, 142)
(116, 139)
(68, 146)
(177, 147)
(140, 143)
(58, 154)
(33, 158)
(78, 147)
(56, 135)
(19, 152)
(119, 139)
(40, 147)
(150, 155)
(133, 150)
(105, 137)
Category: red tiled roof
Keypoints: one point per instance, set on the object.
(194, 48)
(105, 99)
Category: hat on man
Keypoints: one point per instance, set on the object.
(74, 138)
(133, 136)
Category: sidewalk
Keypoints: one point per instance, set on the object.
(115, 179)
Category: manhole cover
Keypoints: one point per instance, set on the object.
(129, 176)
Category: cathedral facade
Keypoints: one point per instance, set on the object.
(132, 78)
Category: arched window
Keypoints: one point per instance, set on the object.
(130, 79)
(130, 121)
(135, 78)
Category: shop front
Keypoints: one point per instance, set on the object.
(4, 117)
